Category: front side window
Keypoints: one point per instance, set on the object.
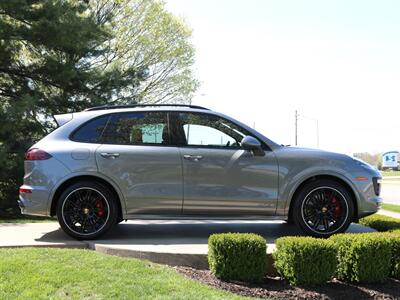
(202, 130)
(137, 128)
(91, 131)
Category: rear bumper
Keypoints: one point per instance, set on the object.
(41, 176)
(35, 202)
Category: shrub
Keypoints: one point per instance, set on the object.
(394, 239)
(305, 260)
(237, 256)
(381, 223)
(395, 231)
(363, 257)
(395, 263)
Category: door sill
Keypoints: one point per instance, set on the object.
(202, 217)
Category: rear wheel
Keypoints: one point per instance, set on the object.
(86, 210)
(322, 208)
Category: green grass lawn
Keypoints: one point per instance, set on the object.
(43, 273)
(391, 207)
(390, 173)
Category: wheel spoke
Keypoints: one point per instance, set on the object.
(316, 224)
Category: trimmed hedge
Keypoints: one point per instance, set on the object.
(305, 260)
(396, 231)
(381, 223)
(395, 264)
(394, 239)
(237, 256)
(363, 257)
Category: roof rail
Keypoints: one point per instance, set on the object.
(142, 105)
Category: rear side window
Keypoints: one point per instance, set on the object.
(91, 132)
(138, 128)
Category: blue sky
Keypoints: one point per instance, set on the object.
(335, 61)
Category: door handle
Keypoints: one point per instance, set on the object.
(109, 155)
(193, 157)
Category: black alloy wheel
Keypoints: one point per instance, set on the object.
(323, 207)
(86, 210)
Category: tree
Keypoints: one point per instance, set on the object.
(60, 56)
(46, 50)
(372, 159)
(146, 37)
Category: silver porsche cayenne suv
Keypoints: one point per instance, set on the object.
(108, 164)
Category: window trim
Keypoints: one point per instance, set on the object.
(175, 114)
(171, 128)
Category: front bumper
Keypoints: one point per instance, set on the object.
(370, 206)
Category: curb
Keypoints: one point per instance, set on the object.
(197, 261)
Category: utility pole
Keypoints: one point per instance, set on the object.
(296, 118)
(296, 115)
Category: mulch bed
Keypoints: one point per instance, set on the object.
(277, 288)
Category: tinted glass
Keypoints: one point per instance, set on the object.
(138, 128)
(210, 131)
(91, 131)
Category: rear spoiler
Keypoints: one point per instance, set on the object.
(63, 119)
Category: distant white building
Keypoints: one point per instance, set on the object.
(390, 160)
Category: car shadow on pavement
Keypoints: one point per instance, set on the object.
(188, 231)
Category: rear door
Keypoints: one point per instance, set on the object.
(137, 155)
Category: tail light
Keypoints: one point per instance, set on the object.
(25, 191)
(36, 154)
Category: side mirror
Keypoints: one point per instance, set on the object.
(252, 144)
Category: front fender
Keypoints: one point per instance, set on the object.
(290, 184)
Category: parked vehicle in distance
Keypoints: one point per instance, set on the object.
(108, 164)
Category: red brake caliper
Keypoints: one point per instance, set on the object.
(337, 211)
(100, 208)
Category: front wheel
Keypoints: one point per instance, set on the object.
(86, 210)
(323, 208)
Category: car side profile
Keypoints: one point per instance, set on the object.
(108, 164)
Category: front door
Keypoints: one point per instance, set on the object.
(137, 155)
(220, 178)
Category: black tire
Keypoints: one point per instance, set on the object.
(322, 208)
(86, 210)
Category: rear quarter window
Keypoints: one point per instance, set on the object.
(91, 131)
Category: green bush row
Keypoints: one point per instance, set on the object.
(237, 256)
(367, 257)
(381, 223)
